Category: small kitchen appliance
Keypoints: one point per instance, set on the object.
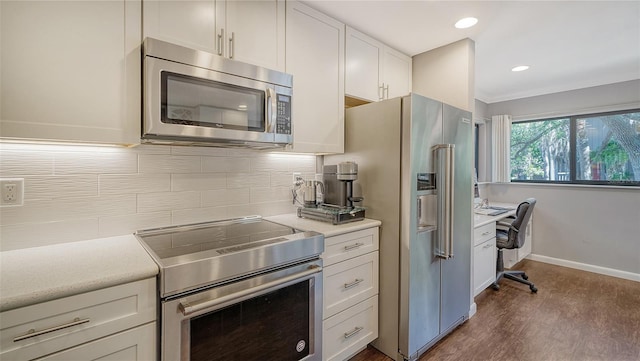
(338, 206)
(238, 289)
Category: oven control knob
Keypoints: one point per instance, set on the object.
(300, 346)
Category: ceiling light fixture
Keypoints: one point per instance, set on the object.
(466, 23)
(520, 68)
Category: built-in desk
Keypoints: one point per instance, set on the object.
(484, 247)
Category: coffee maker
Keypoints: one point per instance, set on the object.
(338, 206)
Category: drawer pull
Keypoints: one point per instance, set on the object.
(33, 333)
(487, 246)
(354, 283)
(353, 246)
(486, 233)
(355, 330)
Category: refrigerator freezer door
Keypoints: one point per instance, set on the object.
(456, 272)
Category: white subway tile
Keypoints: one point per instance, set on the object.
(248, 180)
(270, 163)
(47, 233)
(302, 163)
(225, 197)
(51, 187)
(40, 211)
(226, 164)
(122, 161)
(204, 151)
(186, 216)
(167, 201)
(152, 163)
(198, 181)
(245, 153)
(127, 224)
(134, 183)
(276, 194)
(263, 209)
(151, 149)
(22, 163)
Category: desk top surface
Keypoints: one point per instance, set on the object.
(480, 220)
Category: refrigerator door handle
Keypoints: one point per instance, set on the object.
(444, 161)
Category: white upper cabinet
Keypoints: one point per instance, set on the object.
(375, 71)
(70, 71)
(248, 31)
(315, 58)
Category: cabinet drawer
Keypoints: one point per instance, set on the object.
(73, 320)
(349, 282)
(135, 344)
(349, 331)
(484, 265)
(484, 233)
(349, 245)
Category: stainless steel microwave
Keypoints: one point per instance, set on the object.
(194, 97)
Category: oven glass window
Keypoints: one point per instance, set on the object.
(207, 103)
(273, 326)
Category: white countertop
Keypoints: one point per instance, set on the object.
(34, 275)
(480, 220)
(328, 229)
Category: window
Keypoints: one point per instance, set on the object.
(589, 149)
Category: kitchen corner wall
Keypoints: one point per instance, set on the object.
(75, 193)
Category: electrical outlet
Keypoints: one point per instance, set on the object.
(11, 191)
(297, 177)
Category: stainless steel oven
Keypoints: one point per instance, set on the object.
(241, 289)
(191, 96)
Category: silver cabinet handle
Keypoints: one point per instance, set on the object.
(354, 283)
(352, 333)
(231, 45)
(33, 333)
(353, 246)
(487, 246)
(386, 90)
(219, 42)
(486, 233)
(381, 92)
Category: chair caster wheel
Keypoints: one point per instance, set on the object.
(495, 286)
(533, 289)
(525, 277)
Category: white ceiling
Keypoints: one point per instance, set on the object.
(567, 44)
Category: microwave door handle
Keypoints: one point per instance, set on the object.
(271, 111)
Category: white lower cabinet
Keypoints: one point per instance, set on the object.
(350, 301)
(112, 323)
(484, 257)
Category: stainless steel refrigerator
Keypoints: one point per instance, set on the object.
(414, 156)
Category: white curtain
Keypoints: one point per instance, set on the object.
(500, 148)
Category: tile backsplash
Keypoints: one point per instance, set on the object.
(74, 193)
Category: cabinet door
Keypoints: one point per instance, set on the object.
(71, 70)
(396, 73)
(484, 265)
(315, 58)
(363, 66)
(255, 32)
(184, 22)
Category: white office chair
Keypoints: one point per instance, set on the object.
(511, 235)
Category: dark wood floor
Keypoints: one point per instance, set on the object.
(575, 315)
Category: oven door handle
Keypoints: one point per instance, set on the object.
(187, 308)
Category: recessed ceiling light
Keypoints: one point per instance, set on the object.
(466, 23)
(520, 68)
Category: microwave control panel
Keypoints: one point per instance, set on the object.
(283, 115)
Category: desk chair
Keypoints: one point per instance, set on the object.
(509, 236)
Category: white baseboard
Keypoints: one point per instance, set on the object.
(586, 267)
(472, 309)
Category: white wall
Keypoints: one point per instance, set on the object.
(593, 226)
(75, 193)
(589, 225)
(447, 74)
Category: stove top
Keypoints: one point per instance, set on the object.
(204, 254)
